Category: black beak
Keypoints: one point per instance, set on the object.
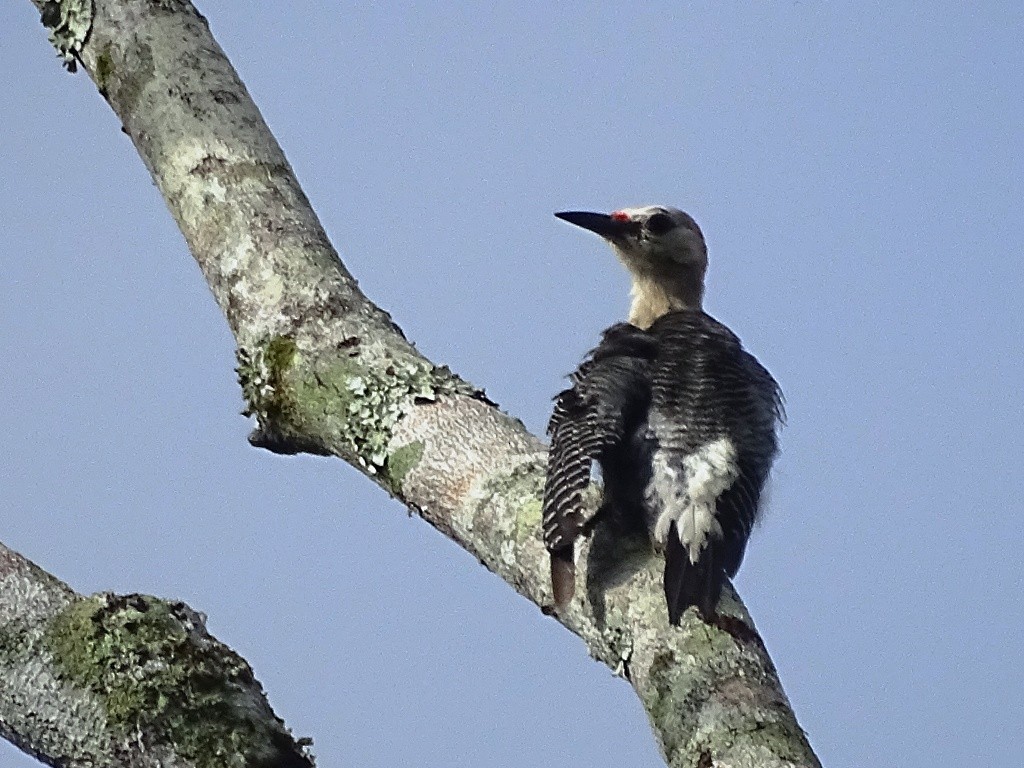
(601, 223)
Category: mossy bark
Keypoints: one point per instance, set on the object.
(126, 680)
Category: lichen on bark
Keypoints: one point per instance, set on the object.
(339, 401)
(69, 23)
(400, 461)
(156, 670)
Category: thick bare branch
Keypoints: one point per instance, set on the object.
(325, 371)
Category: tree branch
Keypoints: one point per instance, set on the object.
(325, 371)
(125, 680)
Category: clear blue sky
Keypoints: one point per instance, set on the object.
(857, 169)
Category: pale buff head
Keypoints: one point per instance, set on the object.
(664, 251)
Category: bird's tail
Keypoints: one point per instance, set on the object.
(686, 583)
(563, 576)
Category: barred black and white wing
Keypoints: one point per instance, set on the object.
(606, 402)
(713, 417)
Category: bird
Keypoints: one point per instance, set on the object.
(681, 419)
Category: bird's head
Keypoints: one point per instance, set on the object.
(664, 251)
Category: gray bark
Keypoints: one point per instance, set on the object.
(325, 371)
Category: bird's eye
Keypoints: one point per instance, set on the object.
(660, 223)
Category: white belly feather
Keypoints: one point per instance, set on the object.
(685, 489)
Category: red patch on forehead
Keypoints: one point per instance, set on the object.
(620, 216)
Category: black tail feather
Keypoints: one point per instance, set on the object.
(698, 584)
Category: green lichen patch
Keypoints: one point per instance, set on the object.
(104, 68)
(513, 501)
(400, 461)
(156, 669)
(262, 374)
(529, 518)
(341, 402)
(69, 23)
(280, 353)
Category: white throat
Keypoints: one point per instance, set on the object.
(653, 297)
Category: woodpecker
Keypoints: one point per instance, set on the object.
(681, 419)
